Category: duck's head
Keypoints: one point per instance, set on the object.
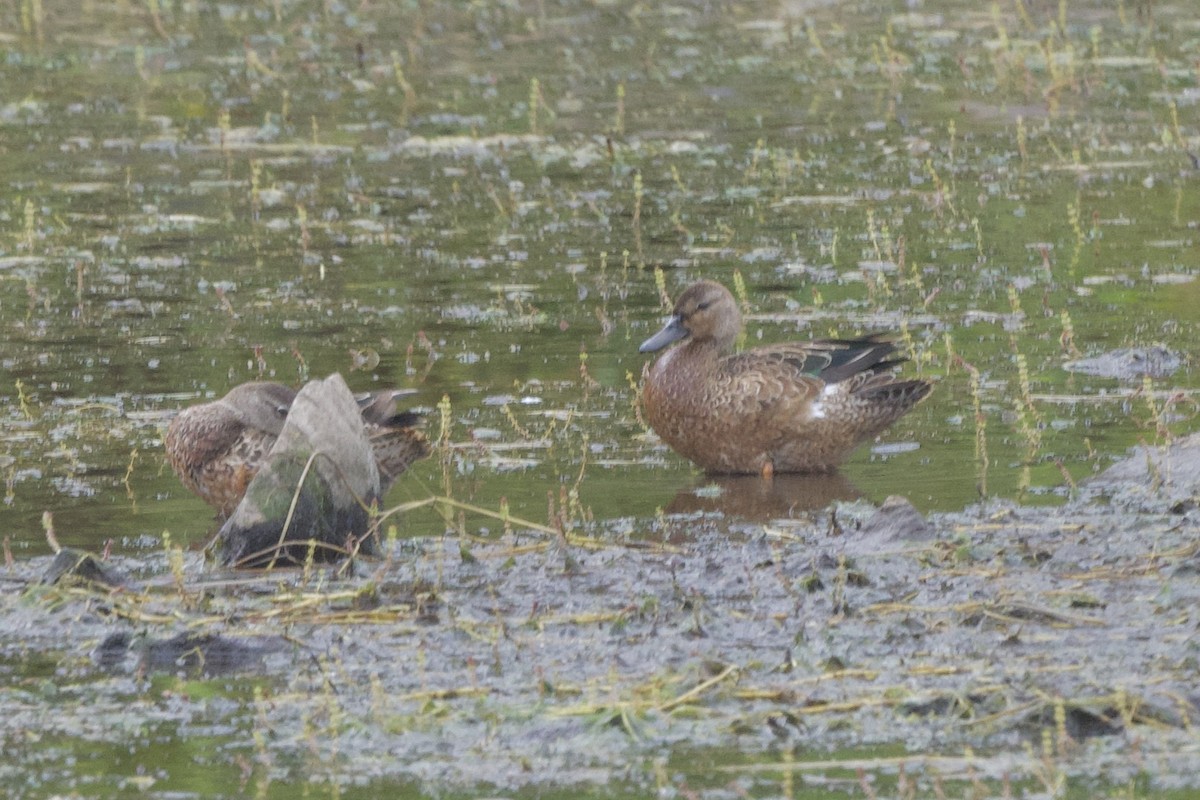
(263, 406)
(705, 313)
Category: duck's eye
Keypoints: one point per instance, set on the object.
(704, 305)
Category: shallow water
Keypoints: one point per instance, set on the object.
(189, 214)
(480, 196)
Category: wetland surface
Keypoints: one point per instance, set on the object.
(486, 203)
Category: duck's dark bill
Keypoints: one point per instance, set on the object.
(673, 331)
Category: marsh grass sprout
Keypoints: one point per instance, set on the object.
(305, 234)
(837, 595)
(619, 116)
(952, 133)
(783, 166)
(80, 286)
(261, 733)
(873, 235)
(1075, 221)
(739, 289)
(638, 194)
(522, 431)
(1029, 419)
(814, 38)
(942, 197)
(127, 481)
(751, 171)
(1067, 339)
(1180, 140)
(256, 168)
(660, 283)
(224, 126)
(586, 381)
(677, 179)
(535, 96)
(1158, 417)
(951, 355)
(406, 88)
(445, 421)
(635, 392)
(907, 271)
(310, 560)
(908, 346)
(981, 444)
(1014, 305)
(29, 226)
(175, 564)
(23, 401)
(506, 518)
(1068, 479)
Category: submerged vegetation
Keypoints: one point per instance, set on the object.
(492, 203)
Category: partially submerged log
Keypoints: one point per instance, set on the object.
(314, 494)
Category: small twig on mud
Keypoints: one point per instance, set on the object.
(698, 690)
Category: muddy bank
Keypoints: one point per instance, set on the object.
(1055, 644)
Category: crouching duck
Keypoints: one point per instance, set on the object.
(217, 448)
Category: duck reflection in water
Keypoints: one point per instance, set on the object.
(752, 499)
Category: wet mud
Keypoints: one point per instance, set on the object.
(1033, 639)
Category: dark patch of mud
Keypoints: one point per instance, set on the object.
(1042, 639)
(199, 654)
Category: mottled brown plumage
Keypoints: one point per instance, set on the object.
(795, 407)
(216, 448)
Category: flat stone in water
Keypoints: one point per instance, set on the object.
(83, 567)
(1129, 363)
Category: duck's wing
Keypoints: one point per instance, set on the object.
(797, 372)
(835, 360)
(394, 435)
(379, 408)
(769, 376)
(200, 434)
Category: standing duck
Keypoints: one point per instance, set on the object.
(217, 448)
(794, 407)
